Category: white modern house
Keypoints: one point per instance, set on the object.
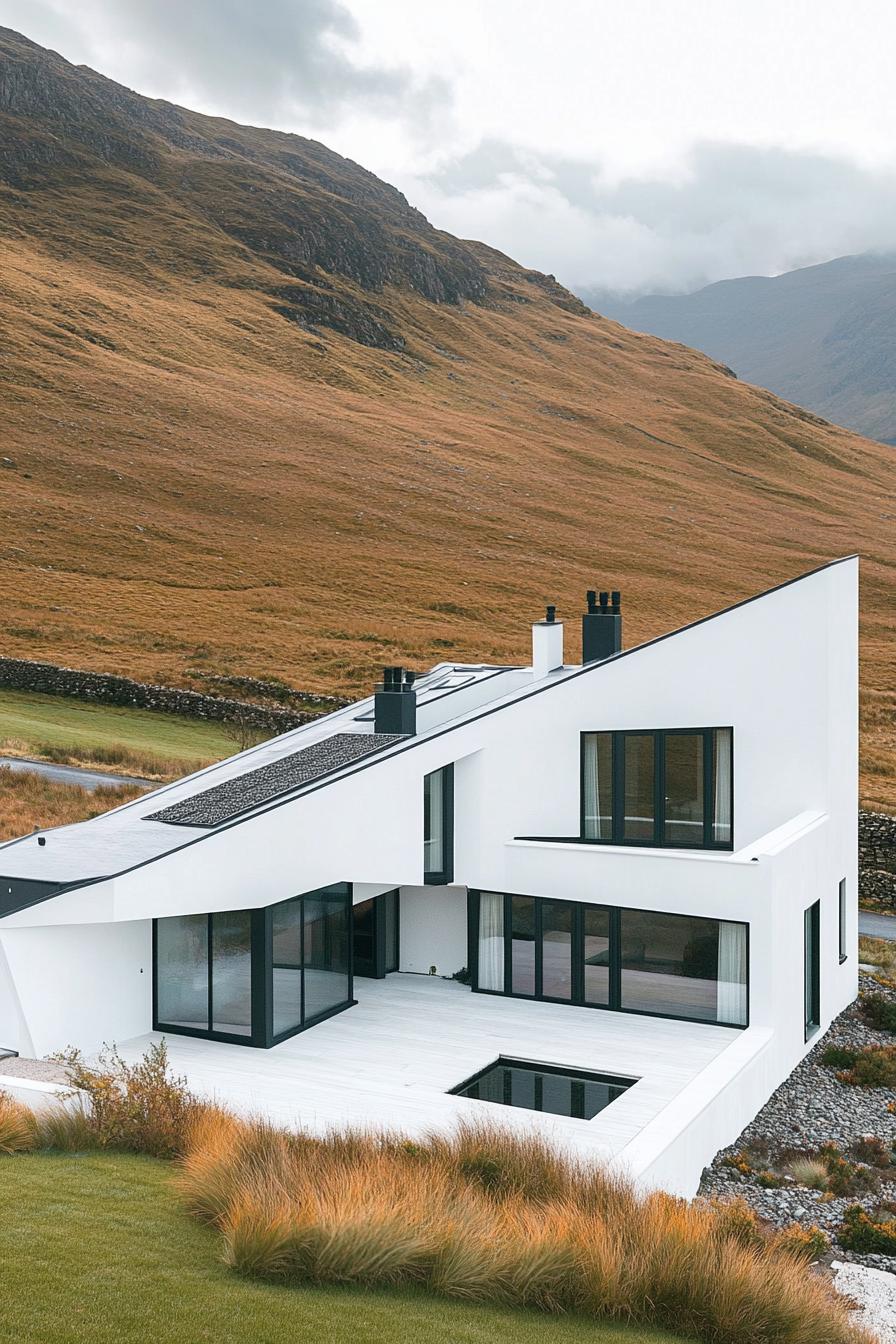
(641, 871)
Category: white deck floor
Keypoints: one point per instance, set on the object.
(389, 1062)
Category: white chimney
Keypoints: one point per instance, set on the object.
(547, 645)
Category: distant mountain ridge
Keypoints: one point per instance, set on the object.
(261, 419)
(823, 336)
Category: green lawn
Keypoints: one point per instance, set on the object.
(94, 1250)
(34, 720)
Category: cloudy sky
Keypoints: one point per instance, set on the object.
(620, 144)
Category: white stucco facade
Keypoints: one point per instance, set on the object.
(779, 670)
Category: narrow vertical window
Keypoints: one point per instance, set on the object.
(684, 792)
(522, 944)
(841, 917)
(721, 786)
(438, 841)
(596, 954)
(639, 787)
(597, 786)
(556, 949)
(811, 969)
(232, 973)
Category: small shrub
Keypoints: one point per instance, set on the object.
(803, 1243)
(875, 1066)
(869, 1148)
(138, 1108)
(809, 1171)
(739, 1161)
(770, 1180)
(838, 1057)
(869, 1233)
(844, 1177)
(879, 1011)
(737, 1220)
(18, 1128)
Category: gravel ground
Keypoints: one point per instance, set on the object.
(809, 1109)
(43, 1070)
(875, 1291)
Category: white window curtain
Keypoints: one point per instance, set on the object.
(721, 818)
(731, 990)
(591, 790)
(491, 941)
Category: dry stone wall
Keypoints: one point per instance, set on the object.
(22, 674)
(877, 858)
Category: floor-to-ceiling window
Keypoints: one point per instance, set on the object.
(671, 787)
(375, 936)
(638, 961)
(254, 976)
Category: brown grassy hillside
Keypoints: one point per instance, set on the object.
(260, 417)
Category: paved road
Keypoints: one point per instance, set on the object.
(69, 774)
(877, 926)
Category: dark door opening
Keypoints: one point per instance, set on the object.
(375, 936)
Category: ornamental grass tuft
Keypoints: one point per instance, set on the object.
(18, 1127)
(486, 1216)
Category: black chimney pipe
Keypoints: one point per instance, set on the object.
(395, 703)
(601, 627)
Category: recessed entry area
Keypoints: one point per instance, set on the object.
(544, 1087)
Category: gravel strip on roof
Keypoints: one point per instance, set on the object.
(214, 806)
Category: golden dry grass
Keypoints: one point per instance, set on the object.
(489, 1217)
(196, 482)
(18, 1128)
(29, 801)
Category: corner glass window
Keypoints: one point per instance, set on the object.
(254, 977)
(670, 787)
(438, 825)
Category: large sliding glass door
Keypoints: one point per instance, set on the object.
(254, 976)
(638, 961)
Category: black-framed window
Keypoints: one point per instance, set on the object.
(841, 919)
(375, 934)
(438, 826)
(254, 977)
(812, 968)
(671, 787)
(638, 961)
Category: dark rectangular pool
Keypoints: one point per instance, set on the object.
(544, 1087)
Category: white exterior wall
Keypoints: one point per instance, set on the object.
(78, 984)
(781, 670)
(432, 925)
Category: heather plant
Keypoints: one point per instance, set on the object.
(879, 1011)
(871, 1149)
(871, 1233)
(803, 1243)
(874, 1066)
